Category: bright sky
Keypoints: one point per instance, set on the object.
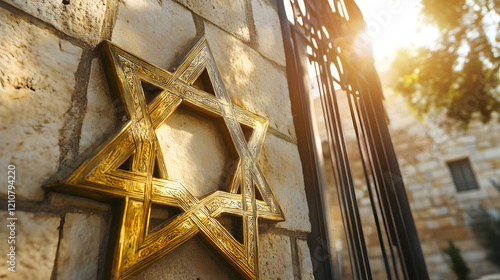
(394, 23)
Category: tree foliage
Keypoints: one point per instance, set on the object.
(460, 73)
(486, 228)
(457, 262)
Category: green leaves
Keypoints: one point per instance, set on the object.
(460, 74)
(457, 262)
(443, 14)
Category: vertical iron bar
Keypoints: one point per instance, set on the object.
(369, 187)
(318, 238)
(373, 139)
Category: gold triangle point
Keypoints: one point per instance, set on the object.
(102, 175)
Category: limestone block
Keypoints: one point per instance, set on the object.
(492, 153)
(434, 187)
(82, 19)
(65, 200)
(195, 152)
(267, 26)
(446, 222)
(37, 78)
(432, 224)
(408, 170)
(359, 193)
(281, 165)
(365, 201)
(37, 235)
(420, 204)
(415, 187)
(439, 271)
(468, 245)
(275, 257)
(100, 117)
(428, 165)
(436, 258)
(467, 139)
(484, 144)
(423, 193)
(78, 256)
(157, 31)
(481, 166)
(439, 173)
(306, 267)
(469, 196)
(424, 156)
(429, 248)
(484, 181)
(365, 208)
(229, 15)
(252, 82)
(191, 260)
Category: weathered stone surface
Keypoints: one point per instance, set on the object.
(306, 267)
(440, 211)
(189, 261)
(492, 153)
(82, 19)
(267, 26)
(79, 248)
(100, 117)
(37, 78)
(157, 31)
(37, 235)
(194, 151)
(281, 165)
(275, 257)
(229, 15)
(65, 200)
(252, 82)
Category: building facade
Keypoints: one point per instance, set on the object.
(56, 106)
(443, 202)
(449, 176)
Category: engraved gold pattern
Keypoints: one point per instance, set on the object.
(100, 176)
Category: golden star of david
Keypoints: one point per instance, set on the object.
(99, 176)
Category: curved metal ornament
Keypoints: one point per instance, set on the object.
(99, 175)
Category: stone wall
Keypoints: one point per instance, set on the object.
(55, 105)
(441, 213)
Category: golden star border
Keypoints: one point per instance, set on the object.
(99, 176)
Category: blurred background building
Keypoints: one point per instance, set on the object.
(451, 171)
(450, 177)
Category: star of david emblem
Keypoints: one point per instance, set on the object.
(146, 181)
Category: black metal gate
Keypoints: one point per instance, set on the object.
(328, 57)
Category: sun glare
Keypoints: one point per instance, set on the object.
(392, 24)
